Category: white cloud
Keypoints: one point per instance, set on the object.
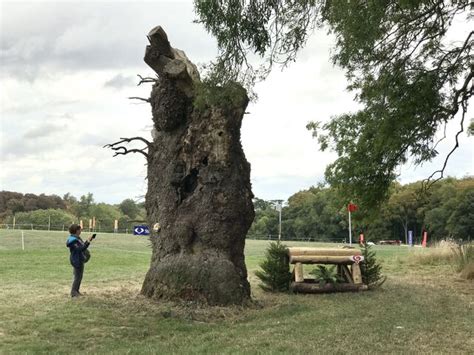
(54, 123)
(76, 36)
(121, 81)
(284, 156)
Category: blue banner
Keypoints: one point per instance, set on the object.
(141, 230)
(410, 238)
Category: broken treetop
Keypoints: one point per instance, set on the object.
(166, 60)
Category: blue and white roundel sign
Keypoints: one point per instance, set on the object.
(141, 230)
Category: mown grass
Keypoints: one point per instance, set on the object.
(421, 308)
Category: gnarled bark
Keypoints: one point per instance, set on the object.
(198, 187)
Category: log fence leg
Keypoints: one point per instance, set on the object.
(347, 274)
(356, 275)
(299, 277)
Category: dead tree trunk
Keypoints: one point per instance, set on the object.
(198, 186)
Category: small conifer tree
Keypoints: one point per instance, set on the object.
(275, 274)
(370, 269)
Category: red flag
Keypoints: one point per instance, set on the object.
(425, 237)
(351, 207)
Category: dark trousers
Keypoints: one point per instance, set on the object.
(76, 284)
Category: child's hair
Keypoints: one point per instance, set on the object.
(74, 228)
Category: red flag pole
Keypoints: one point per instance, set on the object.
(350, 228)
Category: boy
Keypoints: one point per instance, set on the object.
(79, 256)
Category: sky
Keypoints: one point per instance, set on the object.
(68, 68)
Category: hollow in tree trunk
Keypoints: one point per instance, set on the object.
(198, 185)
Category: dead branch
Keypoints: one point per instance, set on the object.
(146, 80)
(128, 140)
(139, 98)
(465, 92)
(426, 185)
(442, 138)
(122, 150)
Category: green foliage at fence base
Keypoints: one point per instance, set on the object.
(324, 276)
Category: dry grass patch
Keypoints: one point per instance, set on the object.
(468, 271)
(460, 256)
(127, 297)
(440, 253)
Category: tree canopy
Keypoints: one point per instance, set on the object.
(320, 214)
(408, 63)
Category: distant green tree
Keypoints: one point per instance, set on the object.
(315, 214)
(379, 228)
(461, 222)
(261, 205)
(6, 196)
(42, 218)
(71, 203)
(402, 207)
(15, 205)
(129, 208)
(84, 205)
(437, 217)
(443, 216)
(470, 129)
(30, 202)
(265, 221)
(105, 215)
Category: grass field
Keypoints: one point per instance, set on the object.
(421, 308)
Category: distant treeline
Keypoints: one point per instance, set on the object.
(12, 202)
(446, 210)
(54, 211)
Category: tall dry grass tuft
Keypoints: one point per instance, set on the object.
(464, 257)
(439, 253)
(468, 271)
(461, 256)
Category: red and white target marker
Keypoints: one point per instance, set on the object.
(357, 258)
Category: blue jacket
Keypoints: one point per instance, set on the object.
(76, 247)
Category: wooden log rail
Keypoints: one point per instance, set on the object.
(304, 287)
(347, 261)
(321, 259)
(293, 251)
